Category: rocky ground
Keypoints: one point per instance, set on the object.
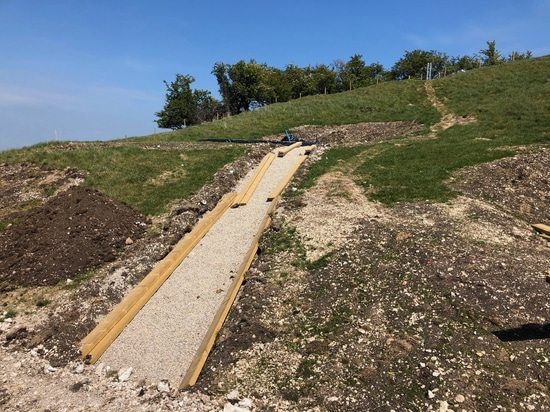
(349, 306)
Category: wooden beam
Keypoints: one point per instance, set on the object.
(249, 189)
(205, 347)
(99, 339)
(282, 184)
(282, 152)
(310, 149)
(541, 228)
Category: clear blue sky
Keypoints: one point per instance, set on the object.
(94, 69)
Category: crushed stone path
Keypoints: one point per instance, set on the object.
(162, 339)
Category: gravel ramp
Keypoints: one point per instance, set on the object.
(162, 339)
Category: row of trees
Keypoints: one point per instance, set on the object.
(245, 86)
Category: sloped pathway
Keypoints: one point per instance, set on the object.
(162, 339)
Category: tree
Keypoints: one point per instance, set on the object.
(249, 83)
(491, 56)
(355, 73)
(182, 104)
(278, 86)
(224, 84)
(462, 63)
(297, 79)
(520, 56)
(243, 85)
(322, 79)
(414, 64)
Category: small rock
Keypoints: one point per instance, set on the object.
(233, 395)
(100, 369)
(459, 398)
(430, 395)
(79, 368)
(124, 374)
(51, 369)
(246, 403)
(229, 407)
(163, 386)
(69, 282)
(129, 241)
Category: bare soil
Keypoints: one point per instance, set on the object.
(418, 307)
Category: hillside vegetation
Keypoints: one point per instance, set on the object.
(509, 103)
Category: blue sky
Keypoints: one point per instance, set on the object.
(94, 69)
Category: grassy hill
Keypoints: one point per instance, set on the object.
(510, 104)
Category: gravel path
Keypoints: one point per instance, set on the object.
(161, 341)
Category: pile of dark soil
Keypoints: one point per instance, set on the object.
(71, 234)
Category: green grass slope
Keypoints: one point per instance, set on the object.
(511, 104)
(511, 107)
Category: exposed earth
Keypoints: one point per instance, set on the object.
(349, 306)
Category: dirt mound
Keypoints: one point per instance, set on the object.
(517, 184)
(353, 134)
(71, 234)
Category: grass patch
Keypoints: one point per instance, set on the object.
(145, 179)
(8, 314)
(419, 171)
(318, 263)
(42, 301)
(73, 283)
(330, 159)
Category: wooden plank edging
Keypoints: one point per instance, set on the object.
(205, 347)
(287, 149)
(282, 184)
(107, 330)
(541, 228)
(310, 149)
(253, 183)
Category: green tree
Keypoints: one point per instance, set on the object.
(355, 73)
(182, 103)
(220, 71)
(243, 85)
(321, 79)
(278, 86)
(491, 56)
(462, 63)
(249, 83)
(414, 64)
(297, 79)
(520, 56)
